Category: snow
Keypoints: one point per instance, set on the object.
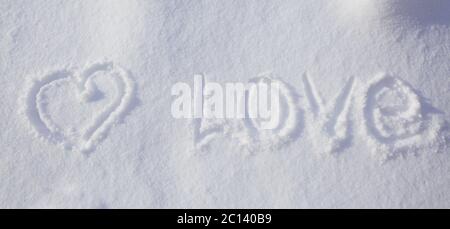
(86, 104)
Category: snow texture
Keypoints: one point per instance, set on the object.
(86, 104)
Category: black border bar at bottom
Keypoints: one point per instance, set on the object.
(218, 217)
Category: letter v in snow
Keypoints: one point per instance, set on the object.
(332, 119)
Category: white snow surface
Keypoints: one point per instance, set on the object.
(86, 118)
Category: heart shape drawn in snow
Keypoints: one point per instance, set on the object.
(85, 136)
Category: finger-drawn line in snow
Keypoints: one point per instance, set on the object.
(288, 118)
(332, 119)
(92, 133)
(250, 130)
(205, 130)
(396, 118)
